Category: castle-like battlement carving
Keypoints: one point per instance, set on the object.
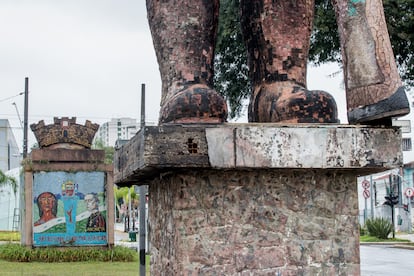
(64, 132)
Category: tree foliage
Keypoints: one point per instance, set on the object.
(123, 193)
(109, 151)
(400, 22)
(230, 64)
(324, 46)
(231, 78)
(8, 180)
(122, 197)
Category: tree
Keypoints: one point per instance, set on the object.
(109, 151)
(122, 197)
(230, 63)
(8, 180)
(324, 46)
(231, 70)
(400, 23)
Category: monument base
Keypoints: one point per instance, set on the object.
(255, 199)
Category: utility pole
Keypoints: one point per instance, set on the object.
(129, 209)
(142, 199)
(410, 230)
(142, 105)
(371, 188)
(26, 116)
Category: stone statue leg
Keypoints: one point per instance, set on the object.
(374, 89)
(184, 34)
(277, 36)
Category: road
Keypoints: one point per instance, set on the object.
(377, 260)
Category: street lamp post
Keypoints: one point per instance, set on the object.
(26, 116)
(142, 198)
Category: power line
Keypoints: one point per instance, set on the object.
(37, 117)
(18, 114)
(11, 97)
(10, 127)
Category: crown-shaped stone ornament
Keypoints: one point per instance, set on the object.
(64, 133)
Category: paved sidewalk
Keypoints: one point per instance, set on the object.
(405, 236)
(122, 238)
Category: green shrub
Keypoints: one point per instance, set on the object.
(379, 227)
(119, 254)
(362, 230)
(19, 253)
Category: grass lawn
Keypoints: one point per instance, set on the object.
(72, 269)
(67, 268)
(375, 239)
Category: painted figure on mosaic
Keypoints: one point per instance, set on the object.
(70, 203)
(47, 204)
(96, 221)
(277, 35)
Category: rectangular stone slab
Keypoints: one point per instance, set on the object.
(248, 146)
(67, 155)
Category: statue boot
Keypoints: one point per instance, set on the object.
(374, 90)
(184, 35)
(289, 102)
(195, 103)
(277, 41)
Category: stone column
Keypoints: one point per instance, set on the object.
(262, 199)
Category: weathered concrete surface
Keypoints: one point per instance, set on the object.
(62, 159)
(255, 199)
(242, 146)
(65, 155)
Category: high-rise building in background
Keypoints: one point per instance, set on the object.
(405, 123)
(116, 129)
(10, 156)
(10, 159)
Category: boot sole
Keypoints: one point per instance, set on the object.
(381, 113)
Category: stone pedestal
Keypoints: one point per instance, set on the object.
(255, 199)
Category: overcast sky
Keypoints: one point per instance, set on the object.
(88, 59)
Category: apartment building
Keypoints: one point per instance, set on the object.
(116, 129)
(10, 156)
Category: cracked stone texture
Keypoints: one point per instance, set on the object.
(371, 72)
(263, 222)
